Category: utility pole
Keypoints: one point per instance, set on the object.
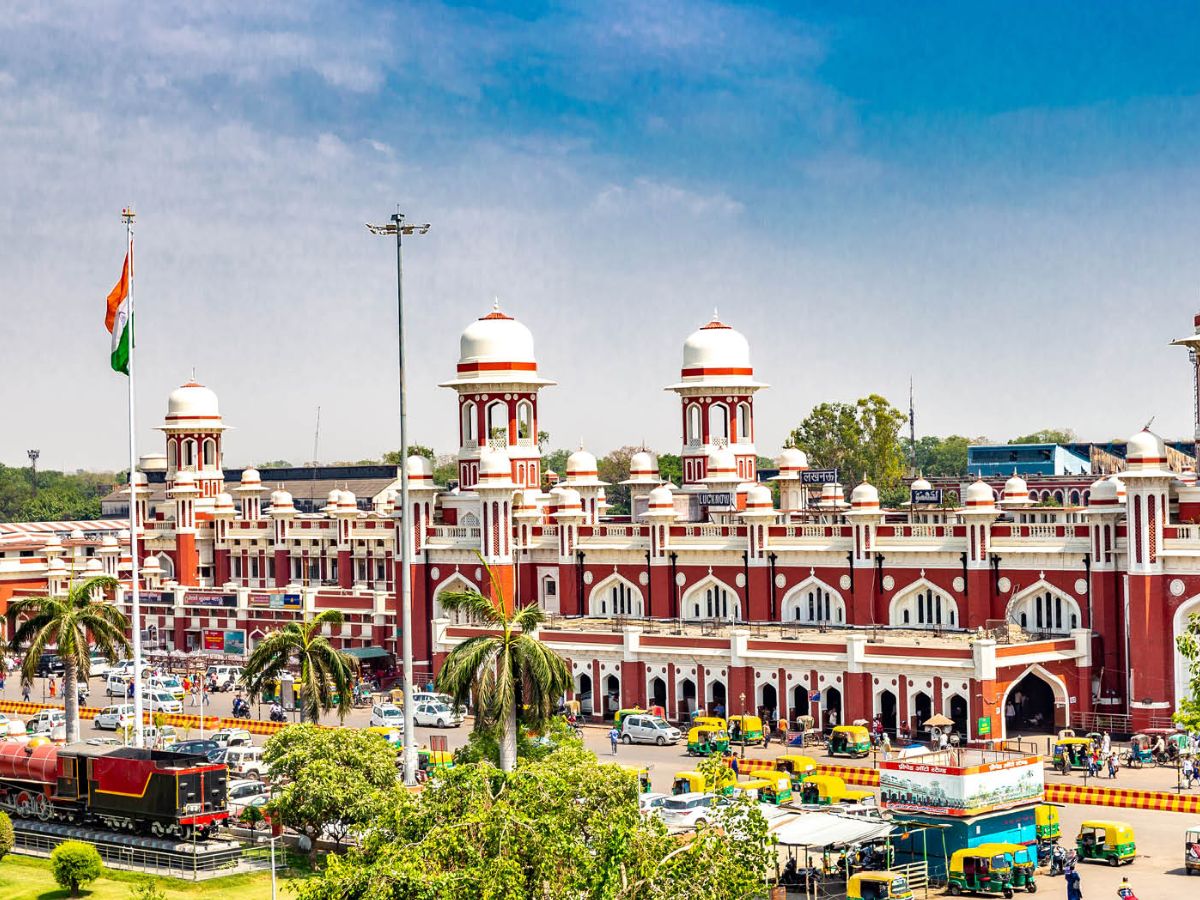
(33, 458)
(398, 228)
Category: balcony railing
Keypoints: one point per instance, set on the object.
(457, 532)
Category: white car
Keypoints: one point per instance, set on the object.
(168, 684)
(243, 791)
(46, 721)
(161, 701)
(437, 715)
(232, 737)
(651, 804)
(387, 714)
(246, 762)
(226, 677)
(426, 697)
(647, 729)
(125, 668)
(98, 665)
(691, 809)
(116, 684)
(114, 718)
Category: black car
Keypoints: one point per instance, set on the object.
(199, 748)
(49, 664)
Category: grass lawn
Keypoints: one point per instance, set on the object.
(29, 878)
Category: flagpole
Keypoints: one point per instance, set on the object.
(136, 611)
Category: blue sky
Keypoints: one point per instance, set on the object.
(999, 200)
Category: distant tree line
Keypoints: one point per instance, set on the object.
(59, 495)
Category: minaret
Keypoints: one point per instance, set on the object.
(979, 513)
(495, 488)
(187, 563)
(193, 429)
(865, 516)
(583, 476)
(716, 392)
(282, 511)
(498, 384)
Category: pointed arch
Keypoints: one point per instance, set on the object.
(923, 604)
(711, 598)
(454, 582)
(469, 421)
(813, 602)
(1062, 696)
(616, 595)
(1179, 625)
(1042, 607)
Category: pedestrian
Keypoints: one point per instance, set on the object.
(25, 692)
(613, 737)
(3, 674)
(1185, 771)
(1105, 744)
(53, 687)
(1125, 890)
(1112, 765)
(1074, 889)
(766, 734)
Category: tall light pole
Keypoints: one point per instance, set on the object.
(33, 458)
(399, 228)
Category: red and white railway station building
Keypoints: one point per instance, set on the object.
(711, 592)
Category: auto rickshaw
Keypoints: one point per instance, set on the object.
(716, 722)
(745, 730)
(1023, 865)
(828, 790)
(642, 773)
(979, 871)
(430, 762)
(1138, 754)
(849, 740)
(388, 733)
(692, 782)
(778, 790)
(622, 713)
(1046, 822)
(878, 886)
(797, 767)
(1106, 840)
(1071, 753)
(1191, 849)
(753, 788)
(707, 741)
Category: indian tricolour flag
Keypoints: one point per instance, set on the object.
(117, 319)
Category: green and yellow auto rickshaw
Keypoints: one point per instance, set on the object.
(1024, 866)
(745, 730)
(1046, 822)
(797, 767)
(642, 774)
(878, 886)
(1191, 850)
(1106, 840)
(717, 722)
(850, 740)
(431, 762)
(707, 741)
(978, 871)
(778, 789)
(692, 782)
(829, 790)
(620, 714)
(1071, 753)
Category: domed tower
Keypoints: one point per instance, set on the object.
(497, 383)
(716, 391)
(193, 428)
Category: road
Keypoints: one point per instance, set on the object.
(1157, 872)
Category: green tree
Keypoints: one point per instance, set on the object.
(336, 780)
(392, 457)
(1188, 713)
(936, 456)
(274, 464)
(670, 468)
(325, 673)
(860, 439)
(543, 440)
(75, 864)
(515, 678)
(445, 468)
(68, 622)
(7, 838)
(563, 826)
(556, 461)
(59, 495)
(614, 468)
(484, 744)
(1047, 436)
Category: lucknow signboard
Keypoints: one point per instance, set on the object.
(819, 476)
(944, 790)
(714, 498)
(931, 496)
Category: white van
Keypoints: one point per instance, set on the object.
(115, 718)
(245, 762)
(160, 701)
(46, 721)
(116, 685)
(645, 729)
(226, 677)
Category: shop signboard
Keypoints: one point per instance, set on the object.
(209, 598)
(275, 600)
(213, 639)
(945, 790)
(983, 727)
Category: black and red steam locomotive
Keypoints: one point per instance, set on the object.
(122, 788)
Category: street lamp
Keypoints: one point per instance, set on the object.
(33, 458)
(742, 697)
(399, 228)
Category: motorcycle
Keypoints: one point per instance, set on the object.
(278, 715)
(241, 709)
(1061, 859)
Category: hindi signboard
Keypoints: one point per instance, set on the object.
(931, 496)
(214, 639)
(913, 786)
(819, 476)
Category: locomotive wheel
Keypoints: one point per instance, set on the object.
(24, 806)
(42, 808)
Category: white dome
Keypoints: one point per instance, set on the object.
(1103, 493)
(150, 565)
(721, 461)
(865, 496)
(56, 565)
(581, 464)
(758, 497)
(153, 462)
(661, 500)
(1145, 450)
(716, 346)
(193, 405)
(644, 464)
(52, 541)
(528, 499)
(92, 565)
(419, 468)
(347, 500)
(495, 469)
(108, 541)
(251, 477)
(223, 503)
(140, 480)
(979, 494)
(792, 459)
(920, 484)
(1016, 490)
(569, 502)
(496, 348)
(281, 500)
(831, 495)
(76, 534)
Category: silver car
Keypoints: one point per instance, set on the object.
(646, 729)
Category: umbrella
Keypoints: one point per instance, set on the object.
(938, 721)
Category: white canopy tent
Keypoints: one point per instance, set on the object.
(819, 829)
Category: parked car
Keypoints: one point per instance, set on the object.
(198, 747)
(168, 684)
(232, 737)
(427, 697)
(125, 668)
(49, 664)
(45, 721)
(226, 677)
(690, 810)
(160, 701)
(97, 665)
(217, 757)
(245, 762)
(387, 714)
(646, 729)
(243, 791)
(116, 684)
(651, 804)
(114, 718)
(437, 715)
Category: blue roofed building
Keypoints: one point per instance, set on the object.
(995, 460)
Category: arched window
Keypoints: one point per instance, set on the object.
(171, 455)
(189, 454)
(615, 597)
(468, 422)
(694, 431)
(210, 453)
(924, 607)
(743, 420)
(718, 422)
(497, 421)
(1046, 611)
(711, 600)
(524, 419)
(814, 603)
(456, 617)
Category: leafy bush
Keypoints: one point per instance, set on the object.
(75, 864)
(147, 889)
(6, 835)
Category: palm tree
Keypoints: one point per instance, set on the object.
(68, 622)
(512, 674)
(325, 672)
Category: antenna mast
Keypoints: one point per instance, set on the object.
(912, 427)
(312, 496)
